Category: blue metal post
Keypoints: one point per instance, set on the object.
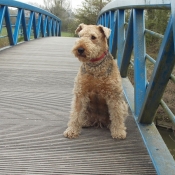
(48, 27)
(45, 26)
(2, 13)
(30, 25)
(173, 16)
(121, 36)
(42, 26)
(139, 59)
(59, 33)
(17, 26)
(114, 41)
(102, 20)
(51, 25)
(98, 22)
(23, 21)
(54, 28)
(104, 23)
(38, 26)
(111, 19)
(34, 26)
(106, 19)
(8, 25)
(127, 48)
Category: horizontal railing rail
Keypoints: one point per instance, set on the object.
(127, 41)
(30, 22)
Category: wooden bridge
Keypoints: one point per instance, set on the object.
(35, 95)
(36, 90)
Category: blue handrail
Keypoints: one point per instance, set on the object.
(145, 97)
(41, 22)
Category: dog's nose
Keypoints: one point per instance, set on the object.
(80, 50)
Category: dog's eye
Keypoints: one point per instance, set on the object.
(93, 37)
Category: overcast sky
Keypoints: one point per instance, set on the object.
(75, 3)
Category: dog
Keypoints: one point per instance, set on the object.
(98, 95)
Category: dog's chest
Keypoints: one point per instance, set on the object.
(97, 104)
(95, 86)
(95, 90)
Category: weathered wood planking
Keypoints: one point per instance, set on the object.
(36, 81)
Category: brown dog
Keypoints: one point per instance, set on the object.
(98, 96)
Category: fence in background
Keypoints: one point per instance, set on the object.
(30, 22)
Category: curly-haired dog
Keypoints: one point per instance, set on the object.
(98, 96)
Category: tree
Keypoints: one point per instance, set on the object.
(89, 11)
(156, 20)
(35, 4)
(60, 8)
(57, 7)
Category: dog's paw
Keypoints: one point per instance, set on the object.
(70, 133)
(118, 134)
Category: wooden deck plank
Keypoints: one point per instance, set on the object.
(35, 96)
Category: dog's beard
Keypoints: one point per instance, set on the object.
(84, 57)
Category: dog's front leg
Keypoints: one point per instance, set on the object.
(118, 110)
(78, 112)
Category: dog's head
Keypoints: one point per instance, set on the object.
(92, 42)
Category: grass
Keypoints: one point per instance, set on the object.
(4, 42)
(67, 34)
(3, 32)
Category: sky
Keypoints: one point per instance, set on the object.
(75, 3)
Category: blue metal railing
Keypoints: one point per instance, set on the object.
(145, 97)
(39, 23)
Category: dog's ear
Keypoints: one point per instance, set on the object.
(106, 31)
(79, 28)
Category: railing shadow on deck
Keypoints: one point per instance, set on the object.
(145, 97)
(30, 22)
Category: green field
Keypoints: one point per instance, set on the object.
(64, 34)
(67, 34)
(3, 32)
(5, 42)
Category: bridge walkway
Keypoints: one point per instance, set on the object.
(35, 96)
